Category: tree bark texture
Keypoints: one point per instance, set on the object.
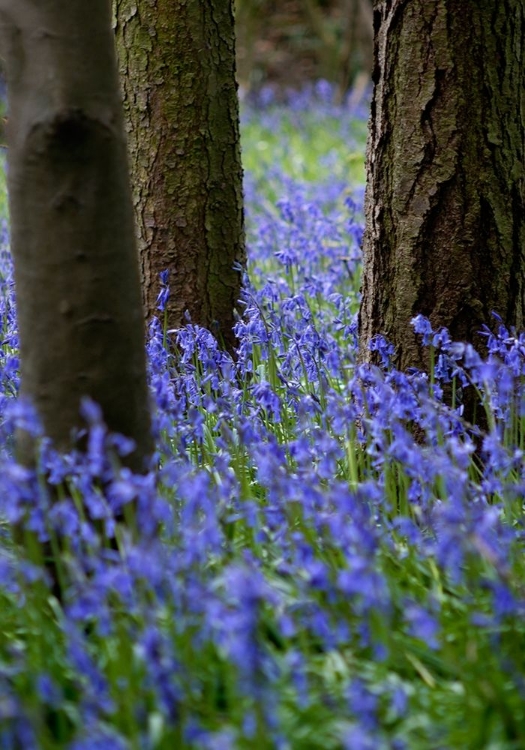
(445, 215)
(72, 235)
(177, 64)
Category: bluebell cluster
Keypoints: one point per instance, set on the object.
(319, 550)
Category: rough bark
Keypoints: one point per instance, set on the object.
(72, 235)
(445, 217)
(177, 64)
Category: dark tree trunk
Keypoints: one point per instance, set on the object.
(72, 236)
(177, 63)
(445, 214)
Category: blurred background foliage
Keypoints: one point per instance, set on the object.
(286, 44)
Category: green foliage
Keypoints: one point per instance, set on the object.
(310, 145)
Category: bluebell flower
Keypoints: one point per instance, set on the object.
(422, 624)
(399, 700)
(22, 415)
(268, 399)
(385, 349)
(504, 603)
(162, 670)
(363, 704)
(422, 326)
(358, 738)
(48, 691)
(100, 738)
(17, 732)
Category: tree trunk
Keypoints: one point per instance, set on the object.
(177, 63)
(72, 236)
(445, 216)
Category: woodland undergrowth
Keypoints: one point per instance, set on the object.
(322, 579)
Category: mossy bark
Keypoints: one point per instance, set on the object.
(77, 280)
(445, 214)
(177, 65)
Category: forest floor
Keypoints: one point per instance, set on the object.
(322, 580)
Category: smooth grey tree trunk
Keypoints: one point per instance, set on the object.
(445, 202)
(72, 233)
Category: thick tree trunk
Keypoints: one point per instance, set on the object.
(445, 215)
(177, 63)
(72, 235)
